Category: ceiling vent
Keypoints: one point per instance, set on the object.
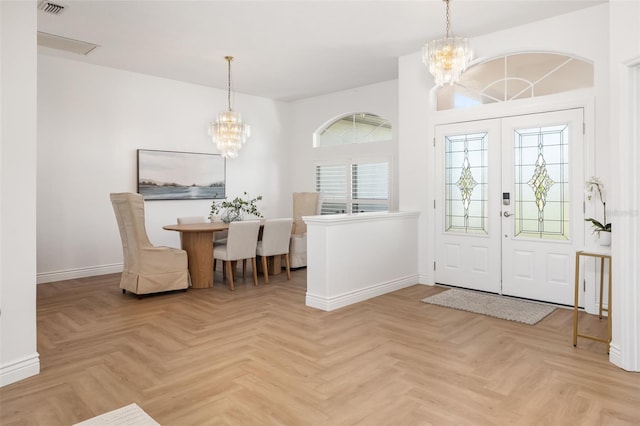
(50, 7)
(63, 43)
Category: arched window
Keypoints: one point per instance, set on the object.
(516, 76)
(361, 127)
(353, 167)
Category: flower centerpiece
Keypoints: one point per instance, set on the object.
(595, 188)
(235, 209)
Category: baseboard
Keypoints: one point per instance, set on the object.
(345, 299)
(19, 370)
(425, 279)
(615, 355)
(71, 274)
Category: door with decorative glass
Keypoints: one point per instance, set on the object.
(510, 215)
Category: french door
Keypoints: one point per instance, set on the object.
(509, 204)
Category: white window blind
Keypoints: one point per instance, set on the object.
(353, 187)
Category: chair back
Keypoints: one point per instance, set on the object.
(129, 211)
(305, 204)
(275, 236)
(242, 239)
(192, 219)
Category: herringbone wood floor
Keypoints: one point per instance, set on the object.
(260, 356)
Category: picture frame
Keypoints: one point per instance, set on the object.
(175, 175)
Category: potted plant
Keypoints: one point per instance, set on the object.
(595, 188)
(214, 214)
(235, 209)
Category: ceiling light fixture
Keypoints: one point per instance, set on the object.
(228, 132)
(448, 57)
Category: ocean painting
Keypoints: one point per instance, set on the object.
(171, 175)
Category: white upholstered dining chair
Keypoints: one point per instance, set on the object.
(146, 269)
(275, 242)
(241, 244)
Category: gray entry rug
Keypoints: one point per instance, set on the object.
(491, 305)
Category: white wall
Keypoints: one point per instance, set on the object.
(91, 121)
(18, 356)
(583, 33)
(625, 156)
(309, 114)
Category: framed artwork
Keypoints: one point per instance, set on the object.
(171, 175)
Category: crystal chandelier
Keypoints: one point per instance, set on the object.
(447, 57)
(228, 132)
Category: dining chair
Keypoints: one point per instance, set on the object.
(275, 242)
(304, 204)
(192, 219)
(146, 268)
(241, 244)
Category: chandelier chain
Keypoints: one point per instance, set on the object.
(229, 59)
(448, 22)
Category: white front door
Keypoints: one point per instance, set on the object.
(509, 208)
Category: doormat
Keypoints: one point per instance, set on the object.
(131, 415)
(491, 305)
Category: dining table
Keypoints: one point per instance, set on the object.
(197, 240)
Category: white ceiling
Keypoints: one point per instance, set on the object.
(283, 50)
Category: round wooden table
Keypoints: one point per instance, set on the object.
(197, 240)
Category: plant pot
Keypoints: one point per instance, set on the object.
(231, 216)
(603, 238)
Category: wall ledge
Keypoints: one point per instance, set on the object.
(340, 219)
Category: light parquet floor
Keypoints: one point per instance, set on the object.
(259, 356)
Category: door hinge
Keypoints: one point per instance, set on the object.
(584, 207)
(434, 141)
(434, 204)
(584, 285)
(434, 266)
(584, 128)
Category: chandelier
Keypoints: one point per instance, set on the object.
(447, 57)
(228, 132)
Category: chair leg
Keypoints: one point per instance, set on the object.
(229, 275)
(255, 271)
(288, 265)
(244, 267)
(265, 269)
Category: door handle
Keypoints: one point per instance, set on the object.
(506, 214)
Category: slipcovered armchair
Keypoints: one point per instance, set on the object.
(147, 269)
(304, 204)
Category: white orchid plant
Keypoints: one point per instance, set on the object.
(595, 188)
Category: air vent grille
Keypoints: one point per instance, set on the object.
(63, 43)
(50, 7)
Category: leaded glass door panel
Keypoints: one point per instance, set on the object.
(508, 210)
(467, 219)
(543, 171)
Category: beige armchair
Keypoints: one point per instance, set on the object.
(147, 269)
(304, 204)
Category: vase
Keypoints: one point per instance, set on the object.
(231, 215)
(604, 238)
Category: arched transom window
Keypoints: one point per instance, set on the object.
(361, 127)
(516, 76)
